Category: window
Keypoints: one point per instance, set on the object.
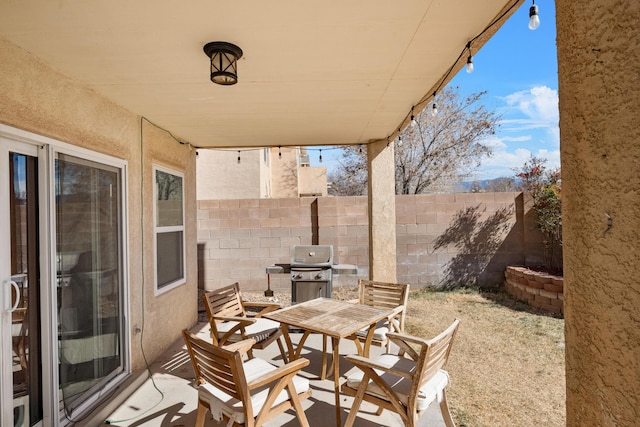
(169, 229)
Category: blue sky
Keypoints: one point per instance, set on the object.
(518, 69)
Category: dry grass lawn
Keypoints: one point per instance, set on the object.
(507, 363)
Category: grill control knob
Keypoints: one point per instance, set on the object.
(297, 276)
(318, 276)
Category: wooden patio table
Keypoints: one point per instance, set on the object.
(331, 318)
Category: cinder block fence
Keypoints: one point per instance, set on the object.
(442, 239)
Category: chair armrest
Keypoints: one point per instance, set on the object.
(291, 367)
(241, 346)
(397, 310)
(240, 324)
(360, 362)
(395, 319)
(407, 343)
(398, 337)
(267, 307)
(243, 321)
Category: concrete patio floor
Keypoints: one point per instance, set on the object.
(168, 398)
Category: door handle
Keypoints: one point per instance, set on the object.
(14, 285)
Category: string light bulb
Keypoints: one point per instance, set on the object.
(238, 156)
(279, 152)
(434, 109)
(399, 140)
(534, 19)
(413, 119)
(320, 159)
(469, 60)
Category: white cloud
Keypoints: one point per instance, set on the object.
(529, 127)
(495, 143)
(530, 110)
(522, 138)
(503, 162)
(539, 104)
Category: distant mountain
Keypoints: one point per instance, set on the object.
(501, 184)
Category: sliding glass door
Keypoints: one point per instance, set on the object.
(20, 272)
(63, 339)
(88, 230)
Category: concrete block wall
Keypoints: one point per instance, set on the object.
(238, 239)
(447, 239)
(436, 233)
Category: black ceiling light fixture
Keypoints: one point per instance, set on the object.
(224, 62)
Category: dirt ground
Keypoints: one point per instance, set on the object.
(507, 363)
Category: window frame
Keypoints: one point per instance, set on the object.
(159, 290)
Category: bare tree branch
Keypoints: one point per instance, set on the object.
(439, 152)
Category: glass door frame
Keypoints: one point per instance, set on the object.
(45, 149)
(17, 143)
(115, 379)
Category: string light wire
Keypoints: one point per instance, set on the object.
(410, 117)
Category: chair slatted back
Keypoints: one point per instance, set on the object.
(224, 301)
(386, 296)
(381, 294)
(217, 366)
(435, 353)
(429, 357)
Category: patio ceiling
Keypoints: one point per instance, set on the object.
(334, 72)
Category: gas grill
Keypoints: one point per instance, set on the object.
(310, 270)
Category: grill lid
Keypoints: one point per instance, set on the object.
(312, 256)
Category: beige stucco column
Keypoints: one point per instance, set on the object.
(382, 212)
(599, 88)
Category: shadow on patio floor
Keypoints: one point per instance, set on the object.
(168, 398)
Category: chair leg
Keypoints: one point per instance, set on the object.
(323, 370)
(297, 405)
(357, 401)
(444, 408)
(202, 411)
(351, 418)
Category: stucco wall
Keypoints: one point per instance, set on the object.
(219, 173)
(36, 98)
(284, 172)
(437, 236)
(312, 181)
(599, 90)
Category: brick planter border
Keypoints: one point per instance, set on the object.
(537, 289)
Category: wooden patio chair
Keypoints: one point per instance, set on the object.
(383, 295)
(230, 322)
(406, 383)
(244, 393)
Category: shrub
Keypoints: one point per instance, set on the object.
(544, 187)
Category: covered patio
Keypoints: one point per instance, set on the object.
(123, 89)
